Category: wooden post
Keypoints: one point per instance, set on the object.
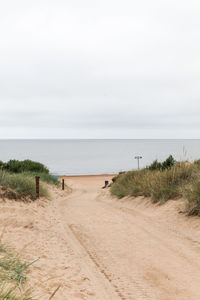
(37, 186)
(63, 184)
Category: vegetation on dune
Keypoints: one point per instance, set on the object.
(14, 272)
(168, 163)
(7, 293)
(17, 179)
(13, 275)
(193, 198)
(161, 182)
(48, 178)
(17, 166)
(20, 186)
(159, 185)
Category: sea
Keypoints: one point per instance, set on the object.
(95, 156)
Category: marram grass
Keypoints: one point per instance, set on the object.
(13, 275)
(20, 186)
(179, 181)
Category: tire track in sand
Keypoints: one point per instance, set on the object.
(116, 283)
(91, 266)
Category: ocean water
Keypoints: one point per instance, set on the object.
(84, 157)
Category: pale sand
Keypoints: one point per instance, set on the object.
(97, 247)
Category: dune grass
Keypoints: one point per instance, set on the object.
(13, 275)
(14, 272)
(17, 179)
(179, 181)
(48, 178)
(20, 186)
(192, 193)
(9, 293)
(159, 185)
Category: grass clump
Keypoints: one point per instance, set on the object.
(10, 293)
(20, 186)
(192, 193)
(13, 275)
(160, 185)
(17, 179)
(12, 268)
(48, 178)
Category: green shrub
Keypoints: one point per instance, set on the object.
(168, 163)
(20, 186)
(155, 165)
(16, 166)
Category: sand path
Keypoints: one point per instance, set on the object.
(138, 255)
(101, 248)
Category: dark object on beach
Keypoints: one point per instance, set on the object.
(63, 184)
(106, 184)
(114, 178)
(37, 186)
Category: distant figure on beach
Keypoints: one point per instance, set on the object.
(106, 184)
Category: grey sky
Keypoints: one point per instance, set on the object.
(99, 69)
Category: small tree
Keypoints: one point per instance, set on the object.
(1, 164)
(168, 163)
(155, 166)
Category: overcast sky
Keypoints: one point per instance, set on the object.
(100, 69)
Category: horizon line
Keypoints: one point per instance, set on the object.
(99, 138)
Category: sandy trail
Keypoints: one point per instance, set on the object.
(97, 247)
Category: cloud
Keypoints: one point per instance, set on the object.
(99, 69)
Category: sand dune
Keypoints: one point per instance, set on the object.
(96, 247)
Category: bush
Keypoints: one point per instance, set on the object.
(20, 186)
(155, 166)
(168, 163)
(16, 166)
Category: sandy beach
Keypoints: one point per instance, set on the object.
(94, 246)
